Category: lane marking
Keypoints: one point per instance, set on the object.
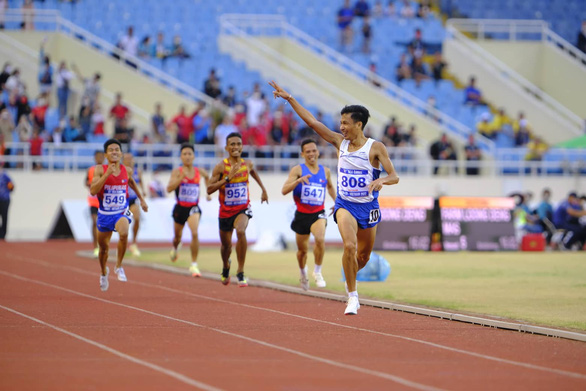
(168, 372)
(432, 344)
(366, 371)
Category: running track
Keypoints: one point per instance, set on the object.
(162, 331)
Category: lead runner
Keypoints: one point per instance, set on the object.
(359, 166)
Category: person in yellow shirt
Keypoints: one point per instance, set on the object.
(500, 120)
(536, 148)
(484, 127)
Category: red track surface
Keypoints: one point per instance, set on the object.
(162, 331)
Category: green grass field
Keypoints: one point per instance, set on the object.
(541, 288)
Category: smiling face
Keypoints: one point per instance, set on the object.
(234, 146)
(310, 153)
(349, 129)
(187, 156)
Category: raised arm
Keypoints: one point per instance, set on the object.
(330, 136)
(381, 156)
(264, 196)
(292, 181)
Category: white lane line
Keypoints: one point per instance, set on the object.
(435, 345)
(366, 371)
(168, 372)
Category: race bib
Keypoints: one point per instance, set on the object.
(236, 194)
(189, 192)
(114, 201)
(352, 183)
(312, 194)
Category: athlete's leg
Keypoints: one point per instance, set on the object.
(95, 229)
(226, 247)
(240, 225)
(135, 209)
(348, 228)
(302, 246)
(104, 244)
(122, 226)
(193, 223)
(318, 229)
(178, 232)
(366, 237)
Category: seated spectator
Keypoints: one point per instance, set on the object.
(403, 70)
(523, 135)
(158, 125)
(500, 120)
(129, 43)
(230, 98)
(581, 42)
(416, 47)
(437, 67)
(410, 138)
(161, 50)
(145, 48)
(391, 136)
(418, 71)
(472, 95)
(71, 131)
(424, 9)
(212, 85)
(407, 10)
(536, 148)
(473, 154)
(177, 49)
(224, 129)
(484, 127)
(566, 217)
(123, 132)
(443, 150)
(521, 120)
(361, 9)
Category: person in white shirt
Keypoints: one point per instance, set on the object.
(129, 43)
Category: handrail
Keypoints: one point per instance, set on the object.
(481, 27)
(279, 159)
(504, 70)
(259, 22)
(91, 40)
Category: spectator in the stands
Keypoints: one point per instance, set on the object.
(536, 148)
(345, 16)
(377, 10)
(40, 110)
(97, 119)
(473, 154)
(544, 212)
(410, 138)
(230, 98)
(202, 126)
(366, 34)
(523, 135)
(581, 43)
(484, 127)
(472, 95)
(184, 125)
(45, 71)
(437, 66)
(521, 120)
(129, 43)
(7, 126)
(279, 127)
(63, 81)
(255, 106)
(28, 15)
(145, 48)
(119, 110)
(12, 108)
(222, 130)
(158, 124)
(423, 9)
(416, 47)
(418, 71)
(500, 121)
(391, 136)
(123, 132)
(403, 70)
(177, 49)
(361, 8)
(14, 83)
(371, 78)
(161, 50)
(91, 87)
(71, 131)
(390, 11)
(443, 150)
(407, 10)
(36, 147)
(212, 85)
(85, 117)
(5, 74)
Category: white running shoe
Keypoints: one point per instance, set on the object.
(319, 280)
(120, 273)
(174, 254)
(104, 284)
(353, 306)
(134, 250)
(194, 271)
(304, 283)
(96, 252)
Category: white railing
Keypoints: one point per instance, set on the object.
(52, 20)
(516, 30)
(410, 161)
(572, 121)
(276, 25)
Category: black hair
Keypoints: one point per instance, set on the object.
(357, 113)
(187, 145)
(233, 134)
(97, 151)
(307, 141)
(110, 142)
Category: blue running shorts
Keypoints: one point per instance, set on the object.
(107, 223)
(367, 214)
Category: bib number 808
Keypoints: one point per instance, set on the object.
(353, 182)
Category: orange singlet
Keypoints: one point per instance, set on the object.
(92, 200)
(234, 195)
